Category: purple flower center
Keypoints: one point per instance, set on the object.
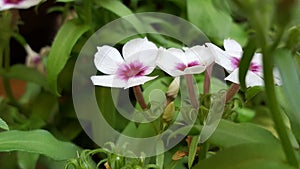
(182, 66)
(12, 1)
(36, 59)
(133, 69)
(254, 67)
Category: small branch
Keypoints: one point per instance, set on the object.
(206, 86)
(139, 97)
(233, 89)
(191, 90)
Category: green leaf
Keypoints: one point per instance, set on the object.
(61, 49)
(229, 134)
(247, 156)
(291, 82)
(25, 73)
(245, 114)
(213, 22)
(3, 125)
(193, 150)
(214, 116)
(246, 61)
(116, 7)
(253, 91)
(27, 160)
(37, 141)
(160, 157)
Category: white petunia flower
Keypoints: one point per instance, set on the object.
(177, 62)
(139, 60)
(18, 4)
(230, 59)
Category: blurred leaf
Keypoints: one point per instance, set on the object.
(291, 82)
(247, 156)
(295, 125)
(253, 91)
(63, 43)
(108, 101)
(245, 114)
(27, 160)
(160, 157)
(213, 22)
(3, 125)
(37, 141)
(25, 73)
(116, 7)
(193, 150)
(229, 134)
(293, 41)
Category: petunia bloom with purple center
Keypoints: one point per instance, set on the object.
(230, 59)
(134, 69)
(139, 58)
(177, 62)
(18, 4)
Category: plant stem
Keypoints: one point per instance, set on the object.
(139, 97)
(275, 109)
(191, 90)
(203, 150)
(233, 89)
(206, 86)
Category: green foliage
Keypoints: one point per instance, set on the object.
(37, 141)
(265, 156)
(60, 52)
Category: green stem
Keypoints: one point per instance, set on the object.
(275, 109)
(191, 90)
(203, 150)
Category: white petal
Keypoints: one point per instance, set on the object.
(23, 5)
(221, 58)
(135, 81)
(137, 45)
(194, 69)
(252, 79)
(108, 81)
(169, 59)
(257, 59)
(232, 45)
(147, 58)
(201, 54)
(107, 59)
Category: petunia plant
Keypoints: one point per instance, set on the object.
(207, 85)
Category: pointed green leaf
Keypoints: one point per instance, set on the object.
(3, 125)
(37, 141)
(61, 49)
(193, 150)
